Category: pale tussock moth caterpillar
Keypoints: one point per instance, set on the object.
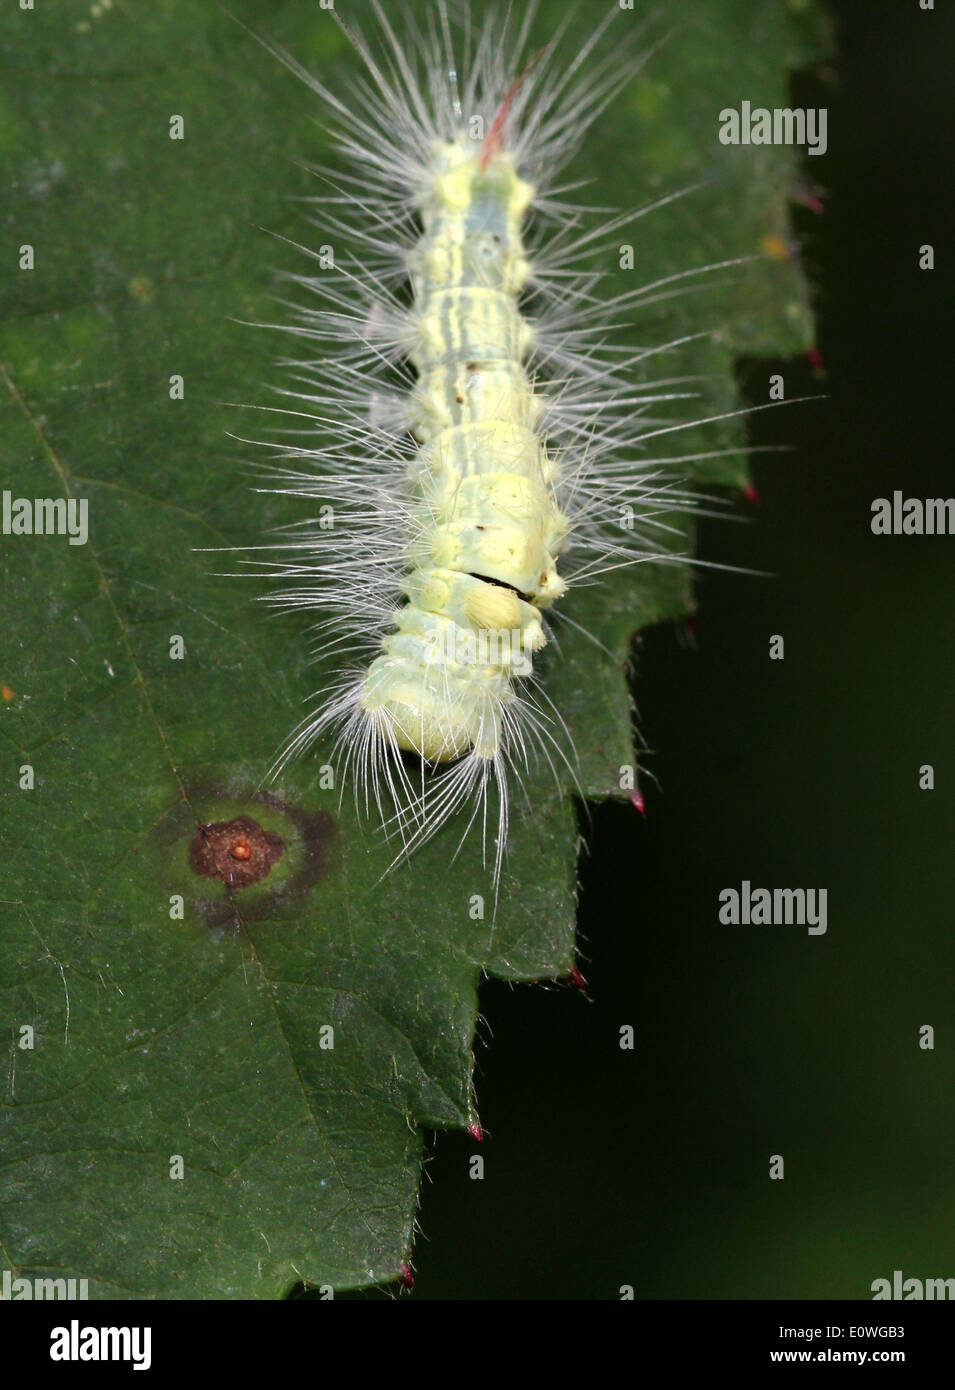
(485, 439)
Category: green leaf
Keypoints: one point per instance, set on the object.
(141, 1031)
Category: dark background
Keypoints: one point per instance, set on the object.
(650, 1167)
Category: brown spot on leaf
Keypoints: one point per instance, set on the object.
(238, 852)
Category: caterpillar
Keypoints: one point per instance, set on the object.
(475, 437)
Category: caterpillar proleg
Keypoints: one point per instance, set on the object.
(485, 439)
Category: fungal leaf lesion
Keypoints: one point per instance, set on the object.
(237, 852)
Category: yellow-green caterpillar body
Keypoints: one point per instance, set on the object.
(483, 561)
(485, 444)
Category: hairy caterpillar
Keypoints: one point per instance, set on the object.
(485, 440)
